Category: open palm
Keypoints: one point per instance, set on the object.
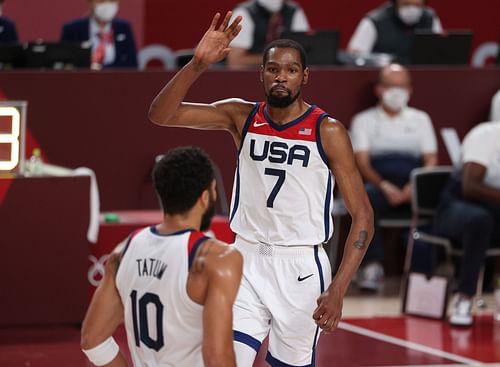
(214, 46)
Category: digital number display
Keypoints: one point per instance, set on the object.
(12, 137)
(9, 141)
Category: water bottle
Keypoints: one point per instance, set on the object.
(35, 163)
(496, 314)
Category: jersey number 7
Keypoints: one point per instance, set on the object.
(281, 174)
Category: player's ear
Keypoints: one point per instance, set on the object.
(305, 78)
(205, 198)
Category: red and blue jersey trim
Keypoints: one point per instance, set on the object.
(195, 240)
(302, 128)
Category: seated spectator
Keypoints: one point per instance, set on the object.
(113, 44)
(263, 22)
(389, 140)
(388, 28)
(8, 32)
(495, 107)
(469, 213)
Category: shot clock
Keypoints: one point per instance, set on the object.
(12, 137)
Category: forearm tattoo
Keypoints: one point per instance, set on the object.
(360, 243)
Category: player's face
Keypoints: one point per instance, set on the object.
(283, 76)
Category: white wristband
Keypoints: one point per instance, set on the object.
(103, 353)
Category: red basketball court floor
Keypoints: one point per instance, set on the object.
(379, 341)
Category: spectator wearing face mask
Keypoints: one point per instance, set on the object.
(112, 40)
(389, 140)
(8, 32)
(263, 22)
(388, 28)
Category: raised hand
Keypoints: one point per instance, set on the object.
(214, 46)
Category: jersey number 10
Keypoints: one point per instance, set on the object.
(140, 320)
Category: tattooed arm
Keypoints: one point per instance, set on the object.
(338, 149)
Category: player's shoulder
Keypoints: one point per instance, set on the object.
(332, 127)
(220, 255)
(221, 250)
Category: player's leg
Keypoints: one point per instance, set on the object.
(250, 317)
(294, 335)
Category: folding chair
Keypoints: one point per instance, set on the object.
(427, 185)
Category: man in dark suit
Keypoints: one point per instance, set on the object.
(112, 40)
(8, 33)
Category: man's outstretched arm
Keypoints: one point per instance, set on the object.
(168, 107)
(338, 149)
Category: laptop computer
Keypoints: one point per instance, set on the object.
(54, 55)
(450, 48)
(11, 56)
(321, 46)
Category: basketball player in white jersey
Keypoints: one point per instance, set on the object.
(173, 287)
(289, 155)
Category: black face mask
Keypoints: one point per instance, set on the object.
(206, 219)
(282, 101)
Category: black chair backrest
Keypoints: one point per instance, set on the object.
(427, 185)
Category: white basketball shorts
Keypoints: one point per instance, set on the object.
(277, 297)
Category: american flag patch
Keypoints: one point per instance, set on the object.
(305, 131)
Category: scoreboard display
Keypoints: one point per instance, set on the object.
(12, 137)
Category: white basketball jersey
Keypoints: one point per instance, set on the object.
(283, 187)
(164, 326)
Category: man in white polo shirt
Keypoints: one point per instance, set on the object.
(469, 213)
(389, 140)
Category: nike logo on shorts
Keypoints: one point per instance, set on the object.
(304, 278)
(259, 124)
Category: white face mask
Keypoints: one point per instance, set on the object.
(271, 5)
(106, 11)
(395, 98)
(410, 14)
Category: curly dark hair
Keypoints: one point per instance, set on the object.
(286, 43)
(180, 177)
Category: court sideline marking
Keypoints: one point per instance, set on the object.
(410, 345)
